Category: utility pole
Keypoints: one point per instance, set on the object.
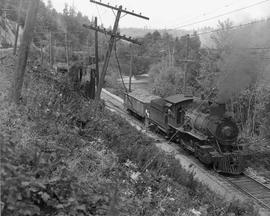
(108, 54)
(92, 83)
(50, 51)
(186, 63)
(24, 50)
(5, 22)
(17, 28)
(67, 54)
(41, 53)
(54, 52)
(96, 53)
(131, 68)
(114, 35)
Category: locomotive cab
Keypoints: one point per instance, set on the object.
(178, 104)
(159, 114)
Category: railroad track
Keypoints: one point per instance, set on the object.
(247, 184)
(250, 186)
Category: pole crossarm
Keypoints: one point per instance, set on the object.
(118, 8)
(117, 35)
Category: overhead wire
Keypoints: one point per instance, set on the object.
(224, 14)
(232, 27)
(208, 13)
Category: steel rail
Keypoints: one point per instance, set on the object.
(243, 187)
(267, 186)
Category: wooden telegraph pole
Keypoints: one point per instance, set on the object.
(51, 51)
(17, 28)
(96, 53)
(114, 35)
(5, 23)
(67, 51)
(186, 63)
(130, 69)
(24, 50)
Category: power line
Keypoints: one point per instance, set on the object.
(220, 15)
(233, 27)
(208, 13)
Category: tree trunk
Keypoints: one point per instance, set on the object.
(24, 50)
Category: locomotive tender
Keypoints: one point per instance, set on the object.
(200, 126)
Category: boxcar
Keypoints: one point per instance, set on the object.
(138, 101)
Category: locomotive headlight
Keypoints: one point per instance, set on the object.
(227, 131)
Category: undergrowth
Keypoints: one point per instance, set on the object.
(64, 155)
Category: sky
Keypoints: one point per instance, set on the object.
(176, 14)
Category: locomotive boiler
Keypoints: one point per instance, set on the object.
(216, 138)
(200, 126)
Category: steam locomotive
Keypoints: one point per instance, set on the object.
(200, 126)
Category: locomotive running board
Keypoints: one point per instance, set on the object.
(193, 133)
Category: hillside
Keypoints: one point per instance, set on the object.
(140, 32)
(64, 155)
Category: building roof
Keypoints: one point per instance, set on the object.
(174, 99)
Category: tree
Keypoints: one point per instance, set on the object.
(223, 37)
(65, 10)
(49, 5)
(166, 80)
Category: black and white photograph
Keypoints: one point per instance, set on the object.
(135, 108)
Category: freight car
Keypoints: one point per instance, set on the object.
(137, 102)
(200, 126)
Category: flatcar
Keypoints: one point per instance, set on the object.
(200, 126)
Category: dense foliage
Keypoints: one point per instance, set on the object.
(66, 27)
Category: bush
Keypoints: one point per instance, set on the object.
(166, 80)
